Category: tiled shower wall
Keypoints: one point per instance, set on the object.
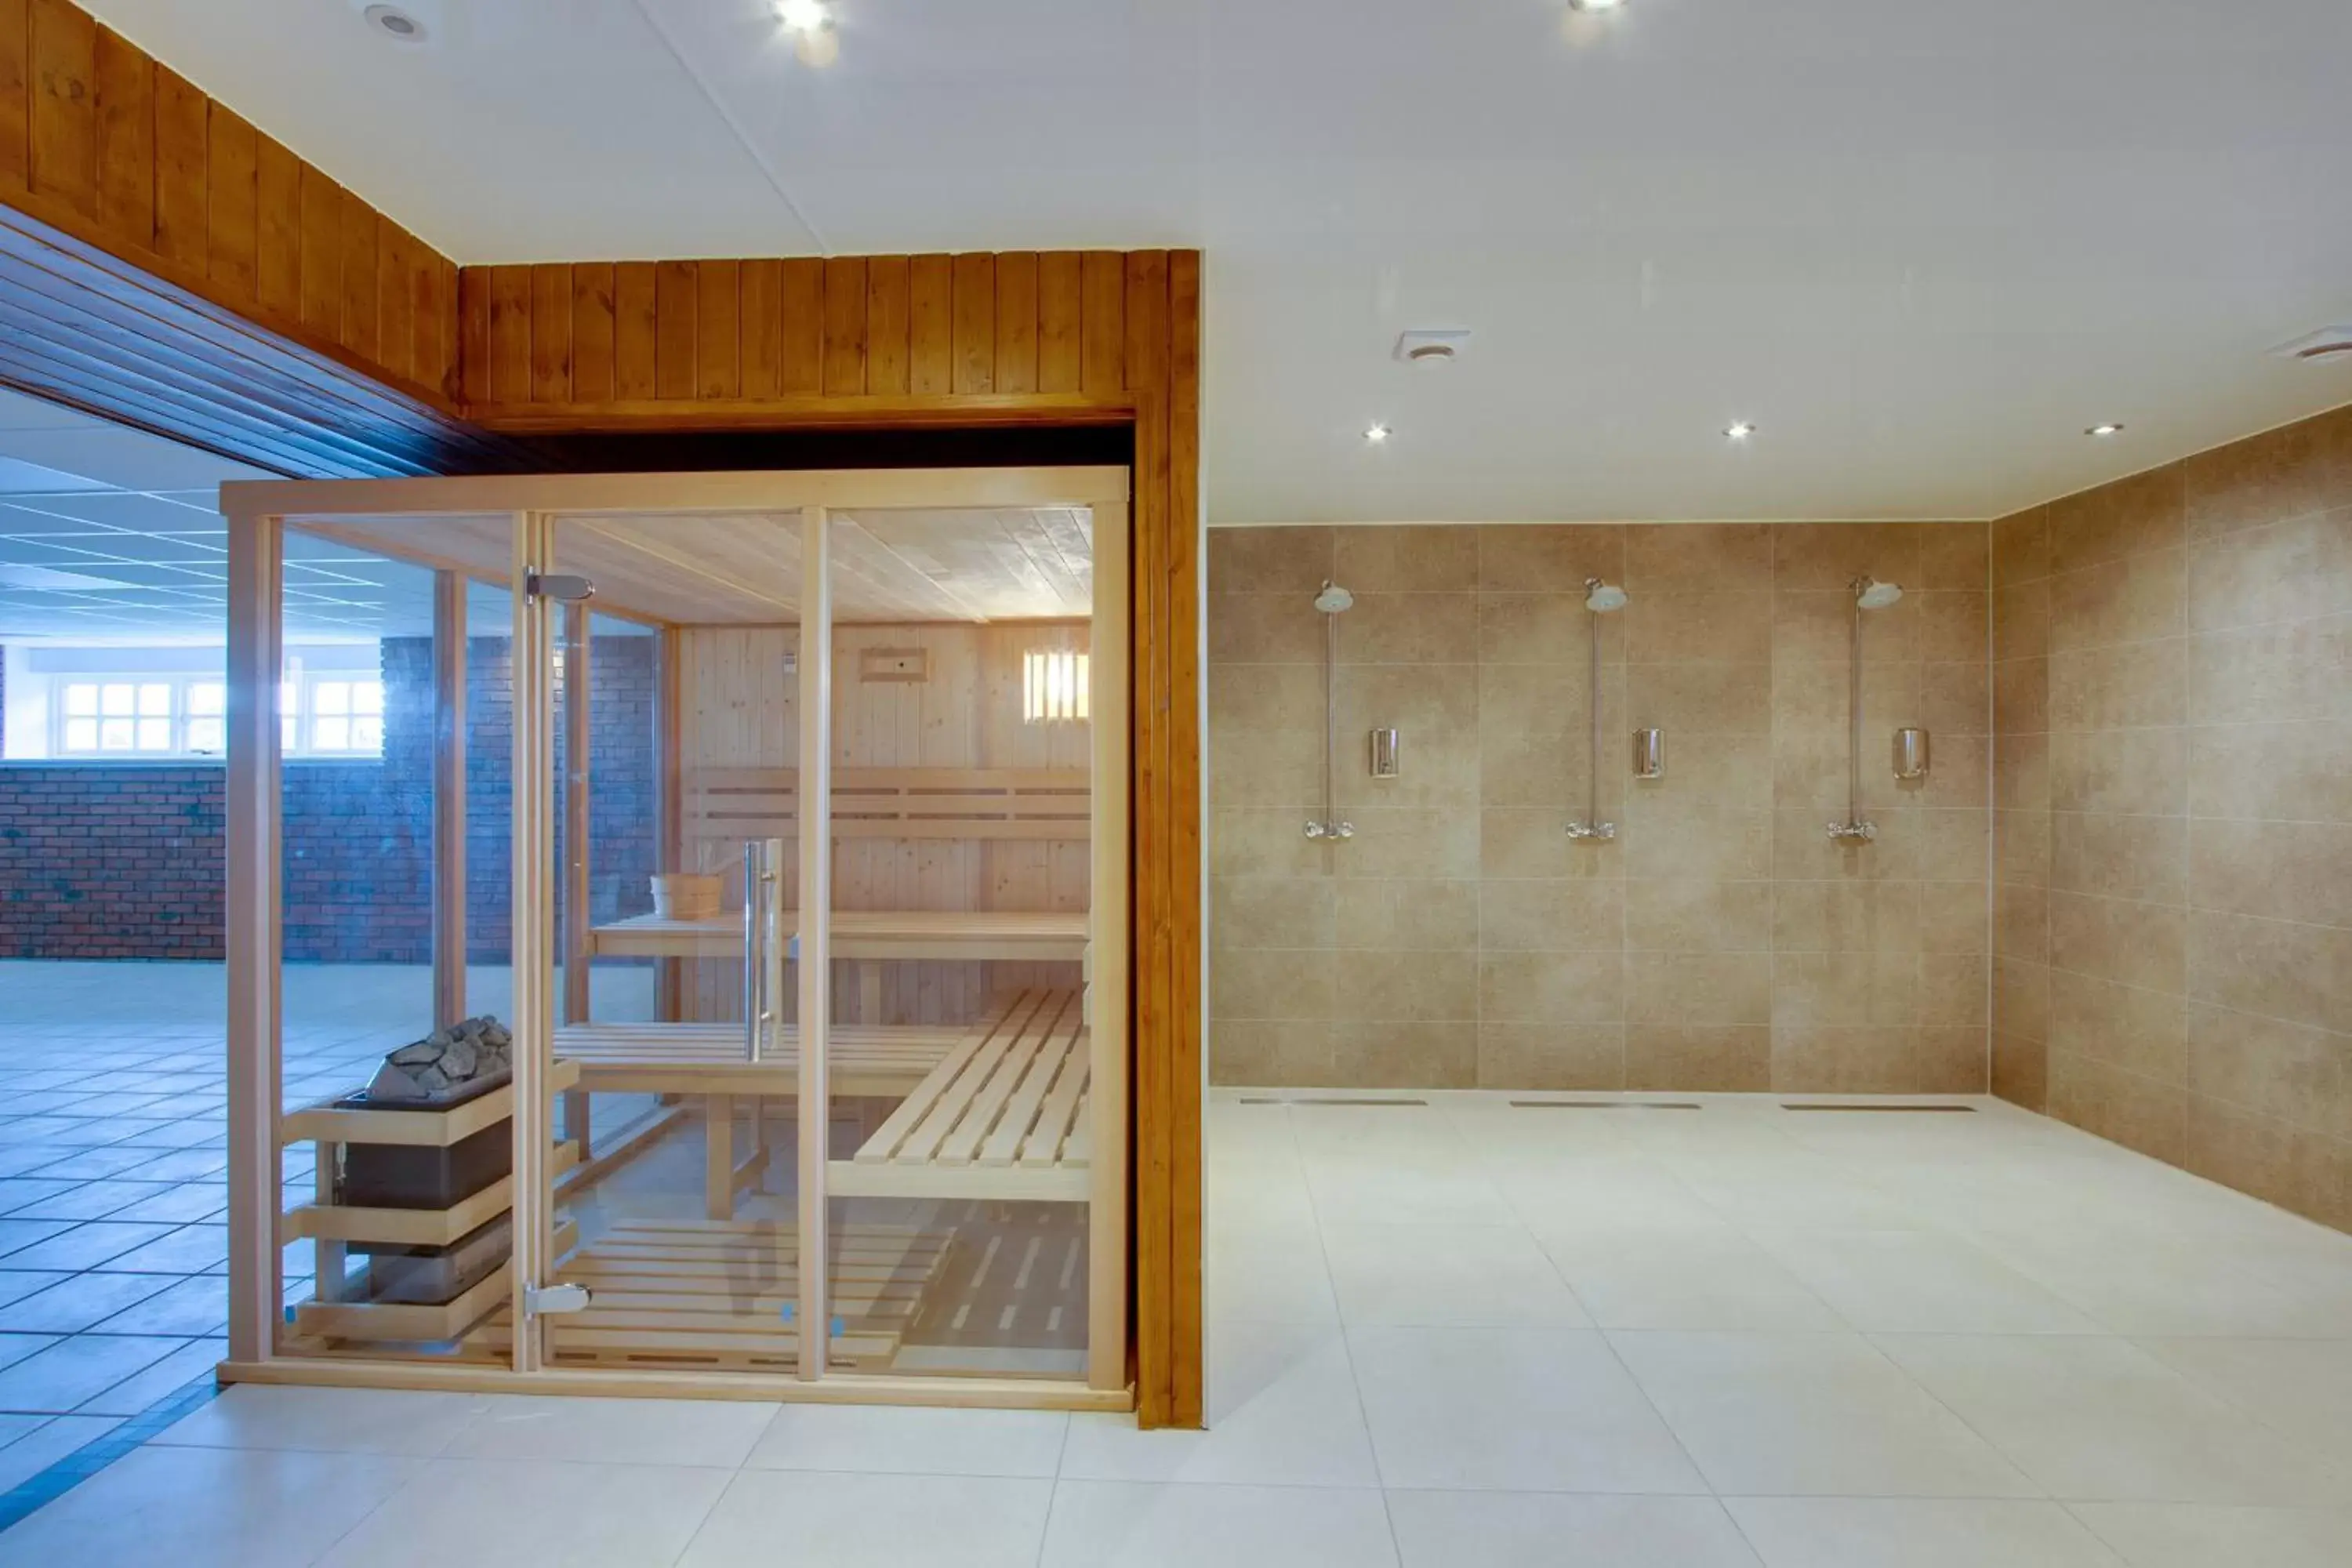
(2174, 908)
(1722, 941)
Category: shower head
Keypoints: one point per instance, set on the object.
(1603, 597)
(1870, 594)
(1334, 599)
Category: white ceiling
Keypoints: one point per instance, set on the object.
(111, 535)
(1921, 245)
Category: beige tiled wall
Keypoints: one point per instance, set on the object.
(1723, 942)
(2173, 924)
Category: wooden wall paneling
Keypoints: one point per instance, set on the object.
(277, 225)
(16, 93)
(592, 324)
(359, 313)
(1060, 321)
(125, 79)
(1143, 319)
(396, 305)
(975, 322)
(931, 325)
(149, 359)
(888, 340)
(802, 328)
(760, 308)
(64, 125)
(1016, 321)
(719, 363)
(508, 341)
(1102, 334)
(550, 333)
(636, 329)
(233, 215)
(844, 326)
(322, 253)
(1183, 850)
(674, 292)
(183, 150)
(474, 334)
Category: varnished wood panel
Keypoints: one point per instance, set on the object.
(112, 149)
(592, 324)
(761, 306)
(550, 333)
(887, 330)
(126, 137)
(232, 222)
(975, 323)
(930, 315)
(509, 333)
(635, 329)
(717, 330)
(844, 326)
(183, 148)
(674, 294)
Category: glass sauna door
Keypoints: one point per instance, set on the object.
(974, 1073)
(674, 1051)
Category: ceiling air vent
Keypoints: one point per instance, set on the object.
(2329, 343)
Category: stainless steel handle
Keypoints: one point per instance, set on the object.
(754, 970)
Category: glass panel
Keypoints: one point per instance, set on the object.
(81, 699)
(117, 697)
(208, 697)
(154, 734)
(379, 1034)
(205, 735)
(115, 734)
(81, 734)
(682, 1219)
(957, 1189)
(155, 701)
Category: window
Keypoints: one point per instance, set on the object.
(331, 714)
(1054, 686)
(150, 716)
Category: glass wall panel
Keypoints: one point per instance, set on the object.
(396, 717)
(676, 826)
(957, 1174)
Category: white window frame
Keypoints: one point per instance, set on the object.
(303, 724)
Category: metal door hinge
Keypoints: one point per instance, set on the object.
(562, 590)
(543, 1299)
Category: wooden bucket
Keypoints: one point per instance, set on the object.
(685, 896)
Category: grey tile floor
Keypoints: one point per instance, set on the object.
(113, 1184)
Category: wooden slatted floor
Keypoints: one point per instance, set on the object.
(718, 1295)
(1003, 1116)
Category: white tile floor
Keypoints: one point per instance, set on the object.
(1468, 1335)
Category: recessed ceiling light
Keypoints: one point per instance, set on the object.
(2104, 430)
(805, 15)
(1595, 5)
(1376, 434)
(1740, 429)
(395, 24)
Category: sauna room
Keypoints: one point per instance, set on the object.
(740, 890)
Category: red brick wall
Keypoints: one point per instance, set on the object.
(127, 860)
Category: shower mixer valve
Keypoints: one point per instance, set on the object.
(1330, 830)
(1853, 832)
(1593, 831)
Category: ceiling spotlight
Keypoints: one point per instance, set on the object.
(1740, 429)
(806, 15)
(395, 24)
(2104, 430)
(1376, 434)
(1596, 4)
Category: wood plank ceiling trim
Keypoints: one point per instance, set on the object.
(204, 257)
(979, 338)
